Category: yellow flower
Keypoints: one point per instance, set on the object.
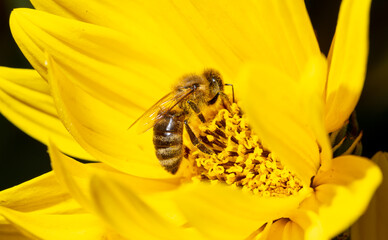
(103, 64)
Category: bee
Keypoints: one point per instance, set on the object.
(171, 114)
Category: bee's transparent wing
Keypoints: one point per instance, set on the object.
(150, 117)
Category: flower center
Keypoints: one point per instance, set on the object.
(240, 158)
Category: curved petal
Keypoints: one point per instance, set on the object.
(343, 192)
(73, 177)
(76, 176)
(288, 115)
(305, 224)
(102, 130)
(150, 56)
(28, 208)
(348, 59)
(278, 31)
(50, 226)
(161, 23)
(276, 231)
(220, 212)
(37, 195)
(10, 232)
(275, 32)
(87, 51)
(26, 101)
(127, 213)
(300, 225)
(155, 193)
(372, 224)
(262, 232)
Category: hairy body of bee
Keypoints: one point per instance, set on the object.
(168, 141)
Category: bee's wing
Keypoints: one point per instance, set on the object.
(150, 117)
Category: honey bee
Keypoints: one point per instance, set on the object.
(171, 114)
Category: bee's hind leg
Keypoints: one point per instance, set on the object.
(196, 142)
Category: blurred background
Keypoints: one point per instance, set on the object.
(22, 158)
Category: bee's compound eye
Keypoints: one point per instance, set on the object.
(214, 78)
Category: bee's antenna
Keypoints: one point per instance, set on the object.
(228, 84)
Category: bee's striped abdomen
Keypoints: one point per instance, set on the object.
(168, 142)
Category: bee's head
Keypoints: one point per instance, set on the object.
(215, 82)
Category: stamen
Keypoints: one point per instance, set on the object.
(240, 159)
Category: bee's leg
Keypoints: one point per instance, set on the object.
(214, 99)
(196, 110)
(226, 101)
(196, 142)
(224, 97)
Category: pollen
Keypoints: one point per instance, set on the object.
(239, 157)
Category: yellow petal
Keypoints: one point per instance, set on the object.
(26, 101)
(372, 225)
(71, 176)
(128, 214)
(278, 31)
(262, 232)
(300, 225)
(102, 130)
(150, 56)
(10, 232)
(228, 33)
(52, 226)
(37, 195)
(343, 192)
(76, 177)
(220, 212)
(61, 8)
(31, 206)
(348, 59)
(159, 22)
(305, 224)
(105, 59)
(288, 115)
(276, 231)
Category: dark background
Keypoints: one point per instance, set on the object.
(22, 158)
